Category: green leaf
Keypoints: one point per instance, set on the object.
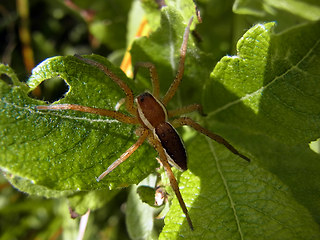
(271, 85)
(273, 196)
(186, 9)
(267, 104)
(305, 9)
(218, 29)
(229, 198)
(139, 216)
(297, 166)
(110, 19)
(147, 194)
(66, 150)
(83, 201)
(162, 49)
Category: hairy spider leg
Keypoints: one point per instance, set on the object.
(183, 50)
(173, 182)
(129, 95)
(99, 111)
(153, 75)
(186, 109)
(189, 122)
(125, 155)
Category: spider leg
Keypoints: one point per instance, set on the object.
(117, 80)
(183, 50)
(172, 179)
(125, 155)
(99, 111)
(186, 109)
(153, 75)
(189, 122)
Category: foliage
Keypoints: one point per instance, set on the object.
(262, 97)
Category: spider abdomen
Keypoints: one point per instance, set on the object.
(172, 144)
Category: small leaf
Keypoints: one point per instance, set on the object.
(109, 21)
(147, 194)
(185, 9)
(139, 216)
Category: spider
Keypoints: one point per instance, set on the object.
(149, 112)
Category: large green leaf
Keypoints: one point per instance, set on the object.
(267, 102)
(66, 150)
(231, 199)
(271, 85)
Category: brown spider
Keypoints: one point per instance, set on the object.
(149, 111)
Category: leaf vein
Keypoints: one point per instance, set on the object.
(171, 45)
(32, 110)
(226, 188)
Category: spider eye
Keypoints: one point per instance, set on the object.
(142, 96)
